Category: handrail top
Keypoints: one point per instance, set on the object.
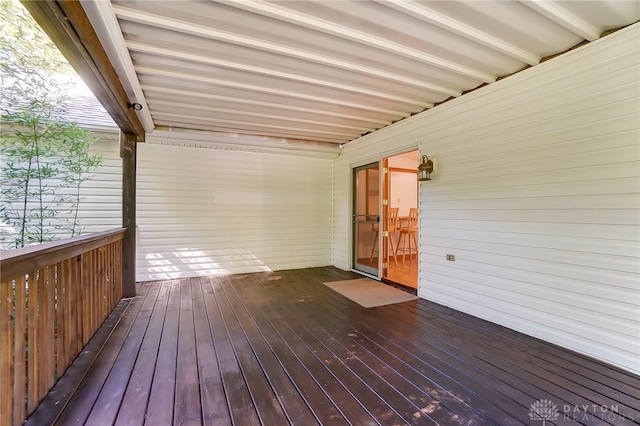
(15, 254)
(12, 258)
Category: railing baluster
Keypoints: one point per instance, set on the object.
(119, 266)
(112, 272)
(50, 333)
(42, 329)
(69, 339)
(95, 294)
(103, 284)
(20, 328)
(61, 330)
(32, 339)
(77, 303)
(85, 291)
(98, 291)
(6, 343)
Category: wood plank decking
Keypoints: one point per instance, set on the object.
(281, 348)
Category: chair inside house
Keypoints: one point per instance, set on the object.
(408, 232)
(393, 228)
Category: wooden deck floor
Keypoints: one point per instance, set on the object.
(281, 348)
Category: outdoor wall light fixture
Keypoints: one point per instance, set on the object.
(425, 169)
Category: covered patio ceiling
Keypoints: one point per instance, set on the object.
(325, 72)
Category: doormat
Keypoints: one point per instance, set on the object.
(370, 293)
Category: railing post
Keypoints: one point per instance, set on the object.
(128, 154)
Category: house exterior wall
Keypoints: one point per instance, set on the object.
(537, 195)
(100, 207)
(210, 212)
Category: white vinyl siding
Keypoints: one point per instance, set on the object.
(537, 195)
(101, 200)
(100, 205)
(211, 212)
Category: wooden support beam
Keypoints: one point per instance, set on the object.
(69, 28)
(128, 153)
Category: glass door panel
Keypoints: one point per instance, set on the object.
(366, 219)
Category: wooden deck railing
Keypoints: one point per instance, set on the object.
(53, 298)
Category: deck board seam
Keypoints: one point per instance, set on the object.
(141, 321)
(254, 312)
(543, 370)
(151, 328)
(299, 336)
(359, 367)
(322, 289)
(130, 312)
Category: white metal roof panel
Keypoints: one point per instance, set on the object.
(330, 71)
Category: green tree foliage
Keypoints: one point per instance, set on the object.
(76, 164)
(44, 158)
(28, 58)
